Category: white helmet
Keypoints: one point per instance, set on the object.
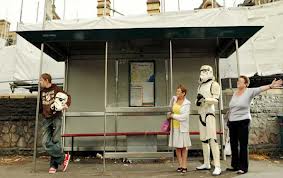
(59, 102)
(206, 73)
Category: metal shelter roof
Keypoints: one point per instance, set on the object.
(60, 43)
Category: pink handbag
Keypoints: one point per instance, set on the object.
(165, 126)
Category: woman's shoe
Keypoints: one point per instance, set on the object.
(241, 172)
(179, 169)
(232, 169)
(184, 170)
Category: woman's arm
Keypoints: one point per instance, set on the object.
(275, 83)
(184, 115)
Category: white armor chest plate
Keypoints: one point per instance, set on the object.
(205, 91)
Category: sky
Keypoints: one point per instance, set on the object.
(11, 9)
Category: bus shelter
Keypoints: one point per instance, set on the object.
(121, 80)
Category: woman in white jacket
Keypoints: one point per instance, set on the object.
(179, 132)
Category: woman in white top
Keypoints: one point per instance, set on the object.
(179, 132)
(239, 121)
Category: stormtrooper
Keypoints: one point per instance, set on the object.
(59, 102)
(207, 97)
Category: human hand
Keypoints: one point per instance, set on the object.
(200, 99)
(65, 107)
(169, 115)
(276, 83)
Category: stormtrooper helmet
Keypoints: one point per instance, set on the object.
(206, 73)
(59, 102)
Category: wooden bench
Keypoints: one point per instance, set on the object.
(73, 135)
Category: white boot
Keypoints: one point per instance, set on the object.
(217, 171)
(206, 156)
(204, 167)
(215, 152)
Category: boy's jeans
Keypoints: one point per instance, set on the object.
(51, 140)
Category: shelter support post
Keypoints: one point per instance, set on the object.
(220, 106)
(105, 101)
(65, 88)
(237, 56)
(116, 99)
(171, 85)
(171, 69)
(230, 83)
(167, 91)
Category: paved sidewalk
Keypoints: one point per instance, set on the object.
(87, 168)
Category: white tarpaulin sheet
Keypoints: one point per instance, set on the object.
(2, 42)
(7, 67)
(198, 18)
(28, 59)
(21, 62)
(263, 53)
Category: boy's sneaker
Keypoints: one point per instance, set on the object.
(66, 162)
(52, 170)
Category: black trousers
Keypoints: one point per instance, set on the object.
(239, 135)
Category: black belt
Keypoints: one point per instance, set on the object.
(204, 122)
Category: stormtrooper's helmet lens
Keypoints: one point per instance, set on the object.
(204, 70)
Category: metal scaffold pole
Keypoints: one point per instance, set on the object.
(38, 95)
